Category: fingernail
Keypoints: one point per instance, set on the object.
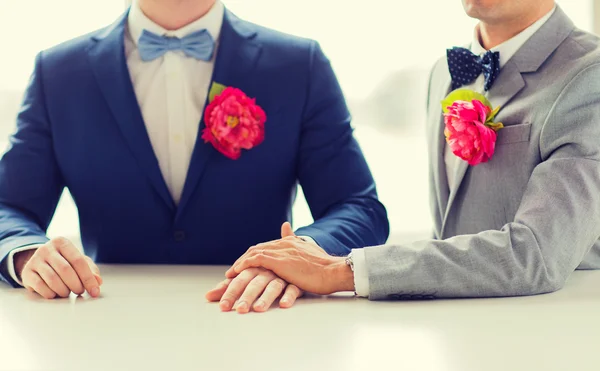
(285, 300)
(225, 305)
(242, 307)
(260, 304)
(95, 292)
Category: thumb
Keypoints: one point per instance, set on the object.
(286, 230)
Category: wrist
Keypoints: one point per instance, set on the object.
(340, 276)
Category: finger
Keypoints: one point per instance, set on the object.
(292, 292)
(81, 266)
(52, 279)
(235, 289)
(35, 283)
(217, 293)
(260, 247)
(230, 272)
(271, 293)
(66, 273)
(277, 249)
(258, 259)
(246, 256)
(286, 230)
(253, 290)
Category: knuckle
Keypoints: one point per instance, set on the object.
(53, 279)
(90, 282)
(246, 275)
(258, 283)
(64, 269)
(59, 242)
(235, 285)
(43, 251)
(29, 266)
(277, 284)
(230, 296)
(255, 248)
(268, 274)
(79, 261)
(30, 280)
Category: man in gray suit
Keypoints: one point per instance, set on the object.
(518, 224)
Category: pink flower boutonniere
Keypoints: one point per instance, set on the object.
(470, 129)
(233, 121)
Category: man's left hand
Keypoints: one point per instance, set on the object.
(256, 288)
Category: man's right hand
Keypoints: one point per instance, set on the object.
(57, 269)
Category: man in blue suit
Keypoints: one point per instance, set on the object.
(115, 116)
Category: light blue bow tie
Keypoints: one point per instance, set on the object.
(199, 45)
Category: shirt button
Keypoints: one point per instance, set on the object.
(177, 138)
(179, 236)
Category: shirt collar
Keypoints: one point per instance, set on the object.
(212, 21)
(510, 47)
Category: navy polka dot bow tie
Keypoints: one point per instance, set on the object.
(465, 67)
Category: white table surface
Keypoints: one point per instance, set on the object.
(156, 318)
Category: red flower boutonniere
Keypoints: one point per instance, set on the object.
(470, 129)
(233, 121)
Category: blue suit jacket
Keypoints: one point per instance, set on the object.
(80, 127)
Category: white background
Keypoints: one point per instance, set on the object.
(381, 51)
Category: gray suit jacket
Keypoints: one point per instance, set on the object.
(523, 222)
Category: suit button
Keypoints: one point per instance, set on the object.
(179, 236)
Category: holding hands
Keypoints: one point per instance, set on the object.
(287, 266)
(301, 263)
(256, 288)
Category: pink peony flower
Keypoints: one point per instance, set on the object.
(234, 122)
(466, 132)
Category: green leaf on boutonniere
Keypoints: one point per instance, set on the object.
(466, 95)
(493, 114)
(495, 126)
(215, 89)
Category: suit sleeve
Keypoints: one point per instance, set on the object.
(557, 223)
(30, 181)
(332, 170)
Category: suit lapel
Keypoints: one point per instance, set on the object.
(107, 58)
(509, 83)
(237, 55)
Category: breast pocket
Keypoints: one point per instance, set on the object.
(514, 134)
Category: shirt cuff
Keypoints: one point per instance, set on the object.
(361, 276)
(11, 263)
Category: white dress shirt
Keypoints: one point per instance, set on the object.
(171, 92)
(507, 50)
